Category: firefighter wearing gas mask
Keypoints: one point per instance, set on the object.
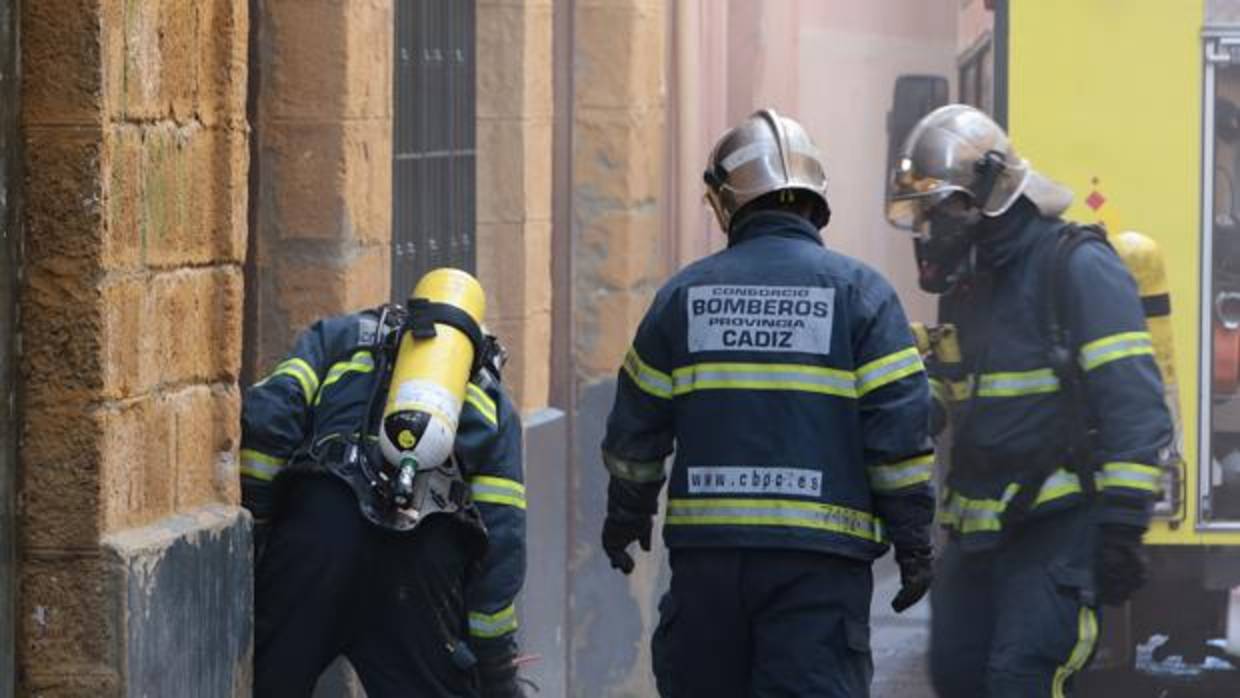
(1055, 410)
(783, 375)
(382, 463)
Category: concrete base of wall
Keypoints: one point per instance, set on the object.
(186, 594)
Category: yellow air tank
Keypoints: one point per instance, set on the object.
(1144, 260)
(428, 381)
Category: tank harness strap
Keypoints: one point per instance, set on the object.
(424, 314)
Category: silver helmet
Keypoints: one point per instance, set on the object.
(766, 153)
(957, 149)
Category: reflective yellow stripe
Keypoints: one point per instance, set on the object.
(301, 371)
(1134, 476)
(897, 476)
(360, 362)
(974, 515)
(497, 490)
(635, 471)
(650, 380)
(490, 625)
(1017, 383)
(750, 376)
(259, 465)
(1086, 636)
(888, 369)
(1114, 347)
(482, 402)
(774, 512)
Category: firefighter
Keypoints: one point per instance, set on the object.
(420, 607)
(785, 378)
(1056, 425)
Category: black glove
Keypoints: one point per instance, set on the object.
(1122, 565)
(261, 532)
(631, 507)
(916, 574)
(497, 675)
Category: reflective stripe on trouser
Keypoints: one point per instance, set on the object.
(259, 465)
(1010, 621)
(774, 512)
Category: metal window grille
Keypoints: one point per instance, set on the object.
(433, 179)
(10, 235)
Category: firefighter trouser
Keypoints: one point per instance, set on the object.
(1016, 621)
(330, 584)
(764, 623)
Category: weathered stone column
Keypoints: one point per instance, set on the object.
(620, 258)
(135, 565)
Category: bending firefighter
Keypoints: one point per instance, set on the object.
(382, 463)
(1054, 407)
(784, 377)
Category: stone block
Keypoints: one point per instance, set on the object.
(618, 156)
(606, 322)
(501, 268)
(619, 59)
(70, 611)
(200, 311)
(222, 65)
(182, 593)
(303, 169)
(62, 71)
(218, 225)
(368, 181)
(538, 76)
(368, 74)
(64, 196)
(306, 290)
(207, 434)
(624, 248)
(62, 334)
(100, 683)
(145, 91)
(538, 169)
(305, 66)
(130, 323)
(178, 55)
(124, 242)
(537, 254)
(501, 77)
(138, 475)
(169, 232)
(61, 449)
(501, 170)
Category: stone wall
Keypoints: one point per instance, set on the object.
(514, 185)
(322, 179)
(621, 254)
(136, 158)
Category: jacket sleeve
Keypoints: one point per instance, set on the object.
(640, 430)
(1122, 382)
(489, 440)
(894, 407)
(275, 416)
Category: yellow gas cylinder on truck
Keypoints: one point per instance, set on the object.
(428, 380)
(1144, 260)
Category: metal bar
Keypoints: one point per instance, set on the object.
(1003, 38)
(10, 250)
(1205, 366)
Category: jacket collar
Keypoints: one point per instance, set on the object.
(1009, 237)
(772, 223)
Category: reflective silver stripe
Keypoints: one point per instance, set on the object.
(888, 369)
(1131, 475)
(914, 471)
(300, 371)
(743, 376)
(1060, 484)
(1015, 384)
(1114, 347)
(493, 624)
(259, 465)
(774, 512)
(360, 362)
(650, 380)
(497, 490)
(972, 515)
(635, 471)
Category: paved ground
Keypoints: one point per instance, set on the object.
(899, 641)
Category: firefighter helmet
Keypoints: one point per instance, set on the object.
(957, 149)
(766, 153)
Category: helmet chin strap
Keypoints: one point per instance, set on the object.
(986, 175)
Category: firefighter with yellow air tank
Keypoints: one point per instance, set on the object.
(382, 463)
(1055, 408)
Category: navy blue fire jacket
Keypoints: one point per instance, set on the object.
(320, 392)
(785, 378)
(1009, 415)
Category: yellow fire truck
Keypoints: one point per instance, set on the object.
(1135, 104)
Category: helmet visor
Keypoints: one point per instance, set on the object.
(911, 211)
